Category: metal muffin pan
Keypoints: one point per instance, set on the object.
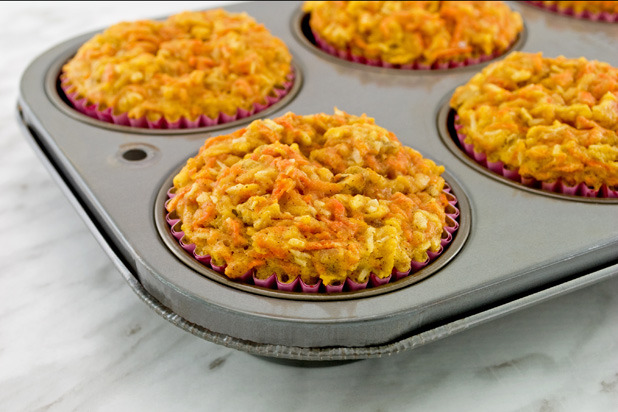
(523, 247)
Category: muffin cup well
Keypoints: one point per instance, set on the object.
(297, 285)
(107, 115)
(557, 186)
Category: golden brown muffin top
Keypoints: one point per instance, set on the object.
(581, 6)
(551, 118)
(191, 64)
(404, 32)
(320, 196)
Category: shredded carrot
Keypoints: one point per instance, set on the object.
(550, 118)
(404, 32)
(192, 64)
(321, 197)
(581, 6)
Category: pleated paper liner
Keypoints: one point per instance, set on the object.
(107, 115)
(297, 285)
(583, 15)
(438, 65)
(556, 186)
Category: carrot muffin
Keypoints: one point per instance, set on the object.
(580, 7)
(193, 64)
(415, 32)
(320, 197)
(552, 119)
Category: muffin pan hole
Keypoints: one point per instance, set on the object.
(134, 155)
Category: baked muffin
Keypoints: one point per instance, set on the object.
(192, 67)
(323, 198)
(594, 10)
(550, 119)
(415, 34)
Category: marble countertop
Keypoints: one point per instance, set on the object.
(73, 335)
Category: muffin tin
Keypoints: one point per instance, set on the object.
(514, 247)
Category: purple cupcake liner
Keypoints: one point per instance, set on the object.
(557, 186)
(310, 288)
(439, 65)
(297, 285)
(287, 286)
(583, 15)
(376, 281)
(268, 283)
(107, 115)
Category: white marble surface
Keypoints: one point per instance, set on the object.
(73, 336)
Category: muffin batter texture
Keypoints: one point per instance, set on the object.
(192, 64)
(406, 32)
(323, 197)
(549, 118)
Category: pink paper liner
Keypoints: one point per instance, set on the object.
(297, 285)
(583, 15)
(106, 115)
(556, 187)
(287, 286)
(269, 283)
(439, 65)
(310, 288)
